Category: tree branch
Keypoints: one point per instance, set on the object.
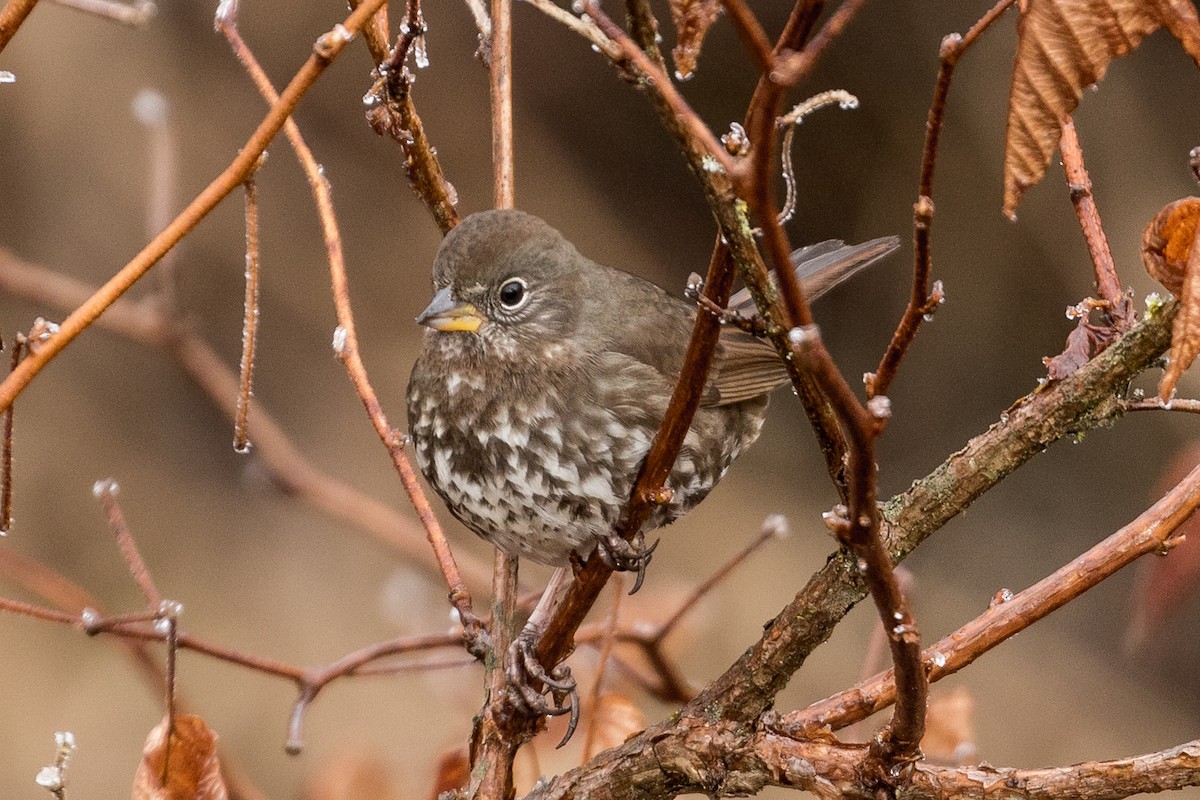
(1152, 531)
(325, 50)
(1085, 400)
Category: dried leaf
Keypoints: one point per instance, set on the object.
(352, 775)
(192, 769)
(616, 719)
(1085, 342)
(950, 729)
(1167, 241)
(1185, 331)
(692, 20)
(1063, 47)
(1165, 582)
(454, 770)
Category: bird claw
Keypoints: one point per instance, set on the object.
(524, 670)
(627, 556)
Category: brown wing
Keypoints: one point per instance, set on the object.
(824, 265)
(745, 367)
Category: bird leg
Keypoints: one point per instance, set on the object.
(525, 672)
(626, 556)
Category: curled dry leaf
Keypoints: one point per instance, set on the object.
(692, 20)
(950, 728)
(1167, 241)
(1165, 582)
(1171, 253)
(1063, 47)
(189, 770)
(1085, 342)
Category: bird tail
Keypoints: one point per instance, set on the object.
(824, 265)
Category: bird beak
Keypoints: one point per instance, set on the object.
(444, 313)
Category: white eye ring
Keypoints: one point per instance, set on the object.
(513, 294)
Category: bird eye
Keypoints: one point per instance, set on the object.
(513, 294)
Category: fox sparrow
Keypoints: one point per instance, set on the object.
(544, 376)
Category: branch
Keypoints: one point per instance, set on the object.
(11, 17)
(923, 301)
(494, 743)
(147, 325)
(345, 338)
(1085, 400)
(718, 759)
(1108, 284)
(325, 50)
(1152, 532)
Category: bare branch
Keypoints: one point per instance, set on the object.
(1151, 532)
(325, 50)
(923, 301)
(345, 343)
(1108, 283)
(11, 17)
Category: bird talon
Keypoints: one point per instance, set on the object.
(627, 556)
(524, 670)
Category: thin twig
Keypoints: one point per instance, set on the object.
(494, 744)
(11, 17)
(702, 138)
(752, 33)
(106, 492)
(288, 467)
(376, 33)
(391, 112)
(6, 445)
(172, 651)
(325, 50)
(1151, 532)
(584, 27)
(241, 434)
(346, 344)
(495, 739)
(1154, 404)
(500, 83)
(1108, 283)
(795, 66)
(923, 301)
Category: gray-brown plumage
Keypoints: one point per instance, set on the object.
(544, 376)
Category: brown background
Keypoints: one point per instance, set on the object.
(261, 572)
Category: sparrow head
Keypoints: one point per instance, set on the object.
(504, 276)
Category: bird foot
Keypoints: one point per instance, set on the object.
(627, 556)
(558, 694)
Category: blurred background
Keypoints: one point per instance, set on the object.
(267, 574)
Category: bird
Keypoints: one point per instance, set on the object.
(543, 377)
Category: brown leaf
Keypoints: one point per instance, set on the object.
(950, 729)
(1063, 47)
(1165, 582)
(1167, 241)
(692, 20)
(616, 719)
(1085, 342)
(192, 769)
(1185, 331)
